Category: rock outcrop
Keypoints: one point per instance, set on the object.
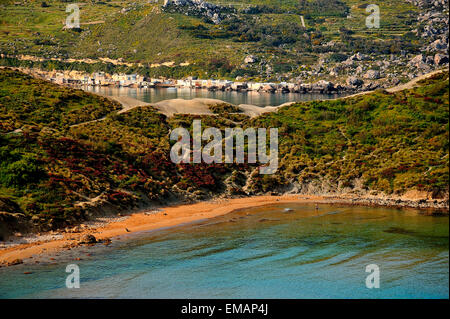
(354, 81)
(199, 8)
(433, 24)
(88, 239)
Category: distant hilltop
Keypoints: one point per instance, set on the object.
(290, 41)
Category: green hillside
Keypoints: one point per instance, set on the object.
(381, 143)
(144, 32)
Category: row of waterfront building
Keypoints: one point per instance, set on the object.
(78, 78)
(139, 81)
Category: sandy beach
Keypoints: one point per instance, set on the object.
(145, 221)
(181, 214)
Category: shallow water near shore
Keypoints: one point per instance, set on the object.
(277, 251)
(233, 97)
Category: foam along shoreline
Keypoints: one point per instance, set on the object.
(181, 214)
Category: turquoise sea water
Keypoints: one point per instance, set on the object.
(265, 252)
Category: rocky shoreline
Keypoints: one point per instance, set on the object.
(432, 207)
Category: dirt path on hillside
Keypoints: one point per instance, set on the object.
(407, 86)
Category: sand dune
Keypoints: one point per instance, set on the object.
(198, 106)
(179, 106)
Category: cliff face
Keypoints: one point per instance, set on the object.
(12, 218)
